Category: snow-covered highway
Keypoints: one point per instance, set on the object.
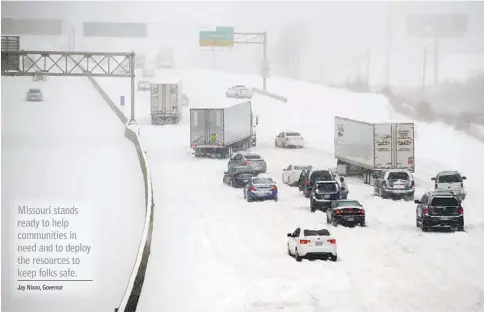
(212, 251)
(70, 150)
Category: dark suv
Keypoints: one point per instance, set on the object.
(439, 209)
(323, 194)
(309, 177)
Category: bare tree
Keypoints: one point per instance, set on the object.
(289, 48)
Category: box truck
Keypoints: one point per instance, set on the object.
(218, 132)
(165, 102)
(362, 148)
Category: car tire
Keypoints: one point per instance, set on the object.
(311, 206)
(327, 220)
(231, 183)
(276, 198)
(363, 223)
(424, 227)
(297, 256)
(334, 222)
(249, 200)
(460, 228)
(333, 258)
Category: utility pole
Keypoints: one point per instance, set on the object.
(436, 61)
(423, 73)
(389, 43)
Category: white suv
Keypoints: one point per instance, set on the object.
(450, 181)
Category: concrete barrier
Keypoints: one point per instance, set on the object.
(132, 293)
(269, 94)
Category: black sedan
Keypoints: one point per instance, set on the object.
(238, 176)
(346, 212)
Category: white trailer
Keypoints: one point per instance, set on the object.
(218, 132)
(166, 100)
(361, 148)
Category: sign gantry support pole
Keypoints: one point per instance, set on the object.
(256, 38)
(71, 64)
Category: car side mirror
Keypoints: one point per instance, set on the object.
(289, 235)
(417, 201)
(464, 178)
(433, 179)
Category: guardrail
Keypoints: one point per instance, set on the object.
(271, 95)
(132, 293)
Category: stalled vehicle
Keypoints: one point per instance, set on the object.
(346, 212)
(450, 181)
(261, 188)
(289, 139)
(292, 173)
(364, 148)
(34, 95)
(219, 132)
(309, 177)
(394, 184)
(239, 92)
(253, 160)
(323, 194)
(311, 243)
(166, 102)
(144, 85)
(439, 209)
(238, 176)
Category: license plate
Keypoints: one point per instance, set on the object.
(350, 219)
(444, 218)
(327, 196)
(398, 186)
(319, 243)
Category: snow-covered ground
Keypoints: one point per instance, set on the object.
(213, 251)
(70, 150)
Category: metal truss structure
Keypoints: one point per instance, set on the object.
(63, 63)
(256, 38)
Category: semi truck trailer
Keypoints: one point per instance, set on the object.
(218, 132)
(166, 97)
(363, 148)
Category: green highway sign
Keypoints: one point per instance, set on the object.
(221, 37)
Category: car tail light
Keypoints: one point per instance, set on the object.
(304, 241)
(308, 183)
(245, 162)
(274, 188)
(362, 211)
(332, 241)
(337, 211)
(412, 184)
(461, 211)
(194, 145)
(252, 188)
(426, 211)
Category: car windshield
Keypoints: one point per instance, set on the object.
(263, 181)
(34, 91)
(323, 232)
(348, 203)
(327, 187)
(450, 178)
(302, 167)
(444, 201)
(252, 156)
(398, 175)
(323, 175)
(292, 134)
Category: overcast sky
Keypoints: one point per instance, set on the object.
(332, 30)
